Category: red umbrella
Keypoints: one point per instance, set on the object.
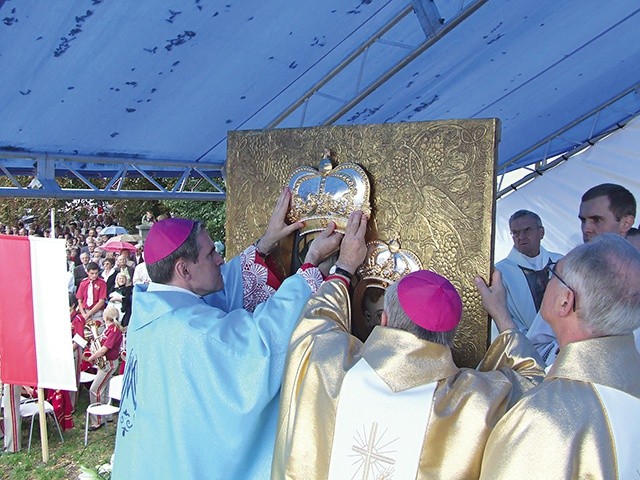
(116, 246)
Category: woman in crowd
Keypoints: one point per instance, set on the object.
(73, 258)
(108, 274)
(120, 297)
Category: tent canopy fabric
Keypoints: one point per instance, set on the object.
(140, 80)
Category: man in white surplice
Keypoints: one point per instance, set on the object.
(525, 271)
(396, 406)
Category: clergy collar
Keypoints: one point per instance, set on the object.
(611, 361)
(404, 361)
(162, 287)
(538, 262)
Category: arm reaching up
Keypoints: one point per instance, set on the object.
(277, 229)
(494, 301)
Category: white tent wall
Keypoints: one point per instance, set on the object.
(555, 196)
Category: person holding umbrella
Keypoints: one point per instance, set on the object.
(109, 273)
(122, 248)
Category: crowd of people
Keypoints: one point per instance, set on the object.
(100, 289)
(76, 231)
(234, 372)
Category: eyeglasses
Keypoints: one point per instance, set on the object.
(525, 231)
(552, 269)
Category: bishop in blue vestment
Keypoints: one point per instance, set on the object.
(200, 392)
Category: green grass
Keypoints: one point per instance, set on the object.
(65, 458)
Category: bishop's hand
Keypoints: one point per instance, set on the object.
(353, 248)
(278, 229)
(324, 245)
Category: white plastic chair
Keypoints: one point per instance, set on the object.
(115, 387)
(30, 409)
(86, 377)
(104, 409)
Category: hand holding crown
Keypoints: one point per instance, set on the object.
(353, 248)
(278, 228)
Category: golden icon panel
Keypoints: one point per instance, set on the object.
(432, 190)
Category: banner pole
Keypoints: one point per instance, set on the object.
(43, 426)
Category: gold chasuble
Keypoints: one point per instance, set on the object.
(459, 413)
(566, 428)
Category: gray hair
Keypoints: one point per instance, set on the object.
(605, 275)
(526, 213)
(397, 318)
(162, 270)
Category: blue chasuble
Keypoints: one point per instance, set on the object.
(201, 386)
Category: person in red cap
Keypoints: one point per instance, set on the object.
(206, 346)
(395, 406)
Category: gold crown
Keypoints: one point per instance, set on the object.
(387, 263)
(327, 194)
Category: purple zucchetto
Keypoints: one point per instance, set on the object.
(165, 237)
(430, 301)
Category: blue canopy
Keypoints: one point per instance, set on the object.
(98, 84)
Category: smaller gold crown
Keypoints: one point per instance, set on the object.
(327, 194)
(387, 263)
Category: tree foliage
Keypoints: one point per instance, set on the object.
(212, 214)
(128, 213)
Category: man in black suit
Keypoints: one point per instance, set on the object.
(80, 272)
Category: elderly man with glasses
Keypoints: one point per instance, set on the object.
(583, 420)
(605, 208)
(525, 271)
